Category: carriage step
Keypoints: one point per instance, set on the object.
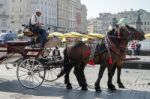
(47, 61)
(57, 62)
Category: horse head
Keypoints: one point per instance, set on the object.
(121, 35)
(127, 33)
(134, 34)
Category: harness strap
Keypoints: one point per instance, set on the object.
(93, 49)
(113, 46)
(108, 49)
(8, 55)
(118, 33)
(114, 49)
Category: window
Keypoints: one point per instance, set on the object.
(4, 23)
(1, 5)
(147, 23)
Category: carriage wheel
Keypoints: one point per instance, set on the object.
(30, 73)
(52, 71)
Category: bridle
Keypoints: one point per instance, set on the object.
(117, 34)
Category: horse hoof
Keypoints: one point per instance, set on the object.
(84, 88)
(69, 87)
(98, 89)
(121, 85)
(113, 89)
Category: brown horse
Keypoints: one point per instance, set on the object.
(110, 54)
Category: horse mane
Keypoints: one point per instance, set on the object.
(111, 32)
(77, 44)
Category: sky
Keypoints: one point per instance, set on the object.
(114, 6)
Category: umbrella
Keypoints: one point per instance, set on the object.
(69, 35)
(147, 35)
(84, 39)
(58, 34)
(63, 39)
(73, 34)
(88, 37)
(96, 35)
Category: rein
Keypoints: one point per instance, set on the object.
(111, 45)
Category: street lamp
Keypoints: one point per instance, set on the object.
(138, 22)
(56, 28)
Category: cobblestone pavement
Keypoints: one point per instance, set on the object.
(135, 81)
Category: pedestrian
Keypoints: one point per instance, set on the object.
(48, 30)
(133, 47)
(138, 48)
(36, 27)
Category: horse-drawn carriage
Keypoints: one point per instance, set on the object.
(34, 65)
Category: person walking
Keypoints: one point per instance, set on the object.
(138, 48)
(133, 47)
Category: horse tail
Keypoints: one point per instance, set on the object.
(66, 58)
(65, 64)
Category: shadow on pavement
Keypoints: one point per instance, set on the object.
(58, 90)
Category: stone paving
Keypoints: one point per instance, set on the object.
(135, 81)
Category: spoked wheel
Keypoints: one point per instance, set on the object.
(30, 73)
(52, 71)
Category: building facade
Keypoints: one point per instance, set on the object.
(63, 14)
(58, 15)
(5, 15)
(72, 16)
(19, 14)
(92, 25)
(106, 19)
(22, 10)
(83, 19)
(49, 12)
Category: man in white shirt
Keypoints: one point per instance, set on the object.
(35, 27)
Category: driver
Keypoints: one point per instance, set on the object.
(36, 27)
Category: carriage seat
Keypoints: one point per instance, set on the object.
(27, 31)
(17, 43)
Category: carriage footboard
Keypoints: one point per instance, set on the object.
(10, 58)
(57, 62)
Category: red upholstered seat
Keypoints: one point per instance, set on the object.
(17, 43)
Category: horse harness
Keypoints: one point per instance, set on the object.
(110, 44)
